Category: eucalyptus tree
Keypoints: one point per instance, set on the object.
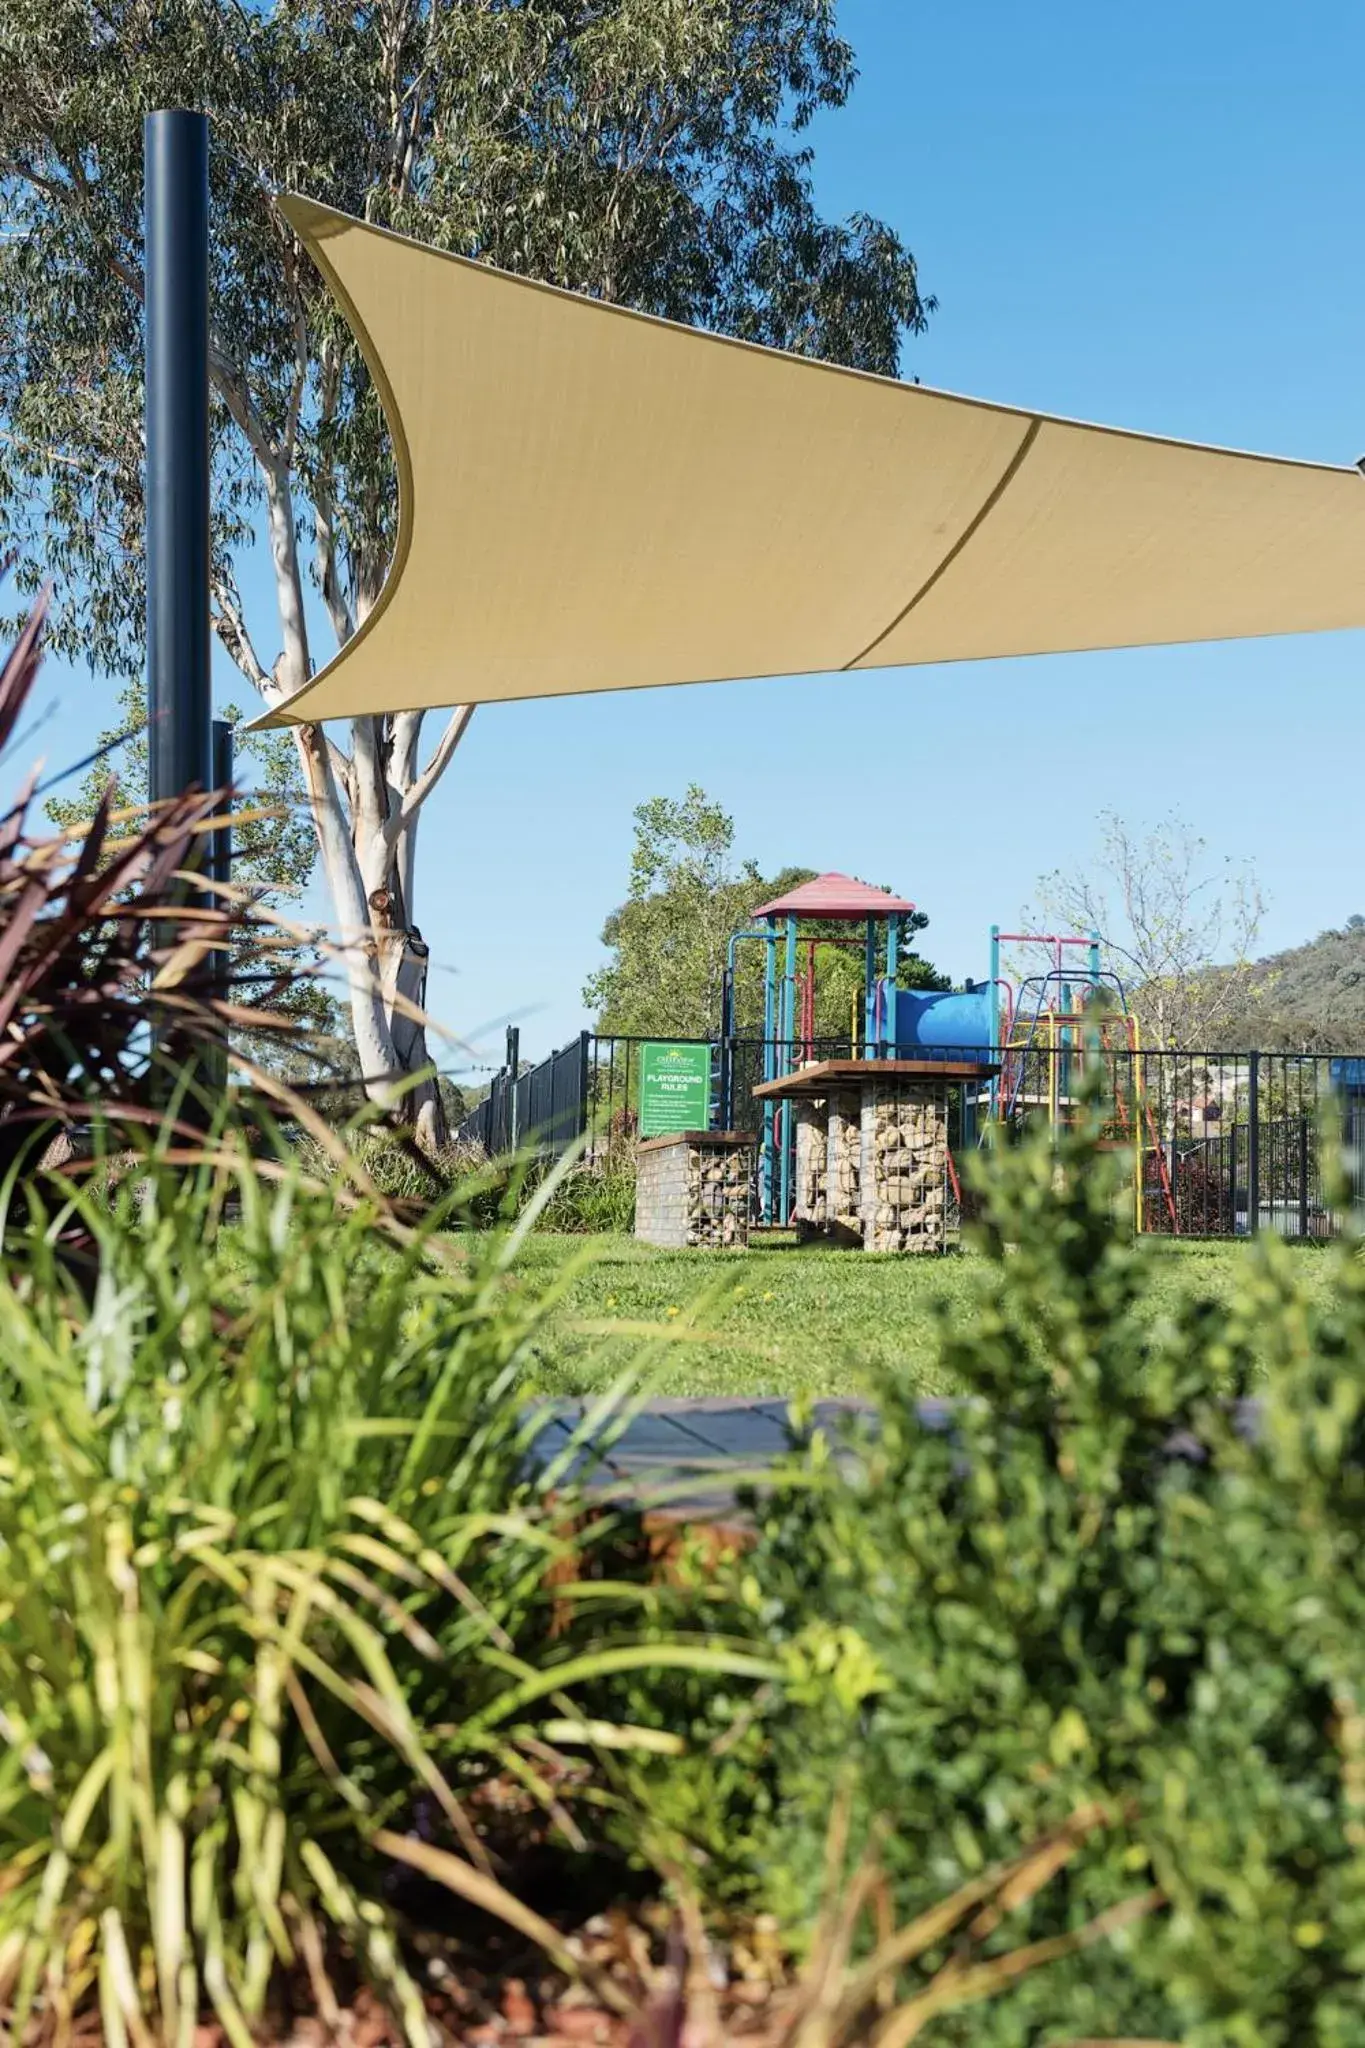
(643, 151)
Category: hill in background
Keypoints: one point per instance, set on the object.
(1312, 997)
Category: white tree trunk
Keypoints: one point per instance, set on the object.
(353, 937)
(385, 956)
(365, 812)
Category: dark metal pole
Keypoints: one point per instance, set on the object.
(223, 771)
(175, 162)
(724, 1110)
(584, 1083)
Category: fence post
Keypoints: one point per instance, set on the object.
(1254, 1144)
(725, 1116)
(584, 1073)
(513, 1066)
(1303, 1177)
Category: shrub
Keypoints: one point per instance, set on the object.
(845, 1991)
(1102, 1582)
(462, 1183)
(280, 1585)
(593, 1198)
(586, 1199)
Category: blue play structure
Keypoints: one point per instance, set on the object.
(928, 1023)
(1348, 1081)
(986, 1022)
(888, 1022)
(871, 919)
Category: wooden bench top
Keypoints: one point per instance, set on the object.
(828, 1076)
(721, 1141)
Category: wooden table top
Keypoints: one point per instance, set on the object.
(827, 1076)
(718, 1140)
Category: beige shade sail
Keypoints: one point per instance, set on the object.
(591, 499)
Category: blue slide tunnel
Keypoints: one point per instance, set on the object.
(922, 1022)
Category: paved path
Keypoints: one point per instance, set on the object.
(691, 1455)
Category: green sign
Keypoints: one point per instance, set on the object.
(675, 1089)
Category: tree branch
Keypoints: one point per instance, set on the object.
(284, 556)
(436, 767)
(369, 802)
(229, 383)
(340, 762)
(299, 381)
(76, 194)
(232, 632)
(55, 457)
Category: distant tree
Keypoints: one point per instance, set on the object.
(1177, 924)
(688, 892)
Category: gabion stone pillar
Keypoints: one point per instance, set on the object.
(904, 1165)
(843, 1138)
(812, 1178)
(692, 1188)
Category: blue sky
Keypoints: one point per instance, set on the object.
(1149, 216)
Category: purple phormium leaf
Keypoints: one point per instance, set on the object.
(12, 824)
(20, 917)
(85, 928)
(21, 666)
(77, 894)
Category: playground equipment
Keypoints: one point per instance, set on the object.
(1038, 1033)
(789, 1001)
(1056, 1022)
(887, 1022)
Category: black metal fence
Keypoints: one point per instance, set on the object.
(1226, 1143)
(1234, 1143)
(542, 1111)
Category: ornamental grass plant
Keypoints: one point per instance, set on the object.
(290, 1603)
(287, 1600)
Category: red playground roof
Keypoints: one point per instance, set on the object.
(835, 896)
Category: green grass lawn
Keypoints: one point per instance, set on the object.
(778, 1320)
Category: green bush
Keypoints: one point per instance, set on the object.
(583, 1199)
(592, 1199)
(462, 1184)
(278, 1585)
(1100, 1582)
